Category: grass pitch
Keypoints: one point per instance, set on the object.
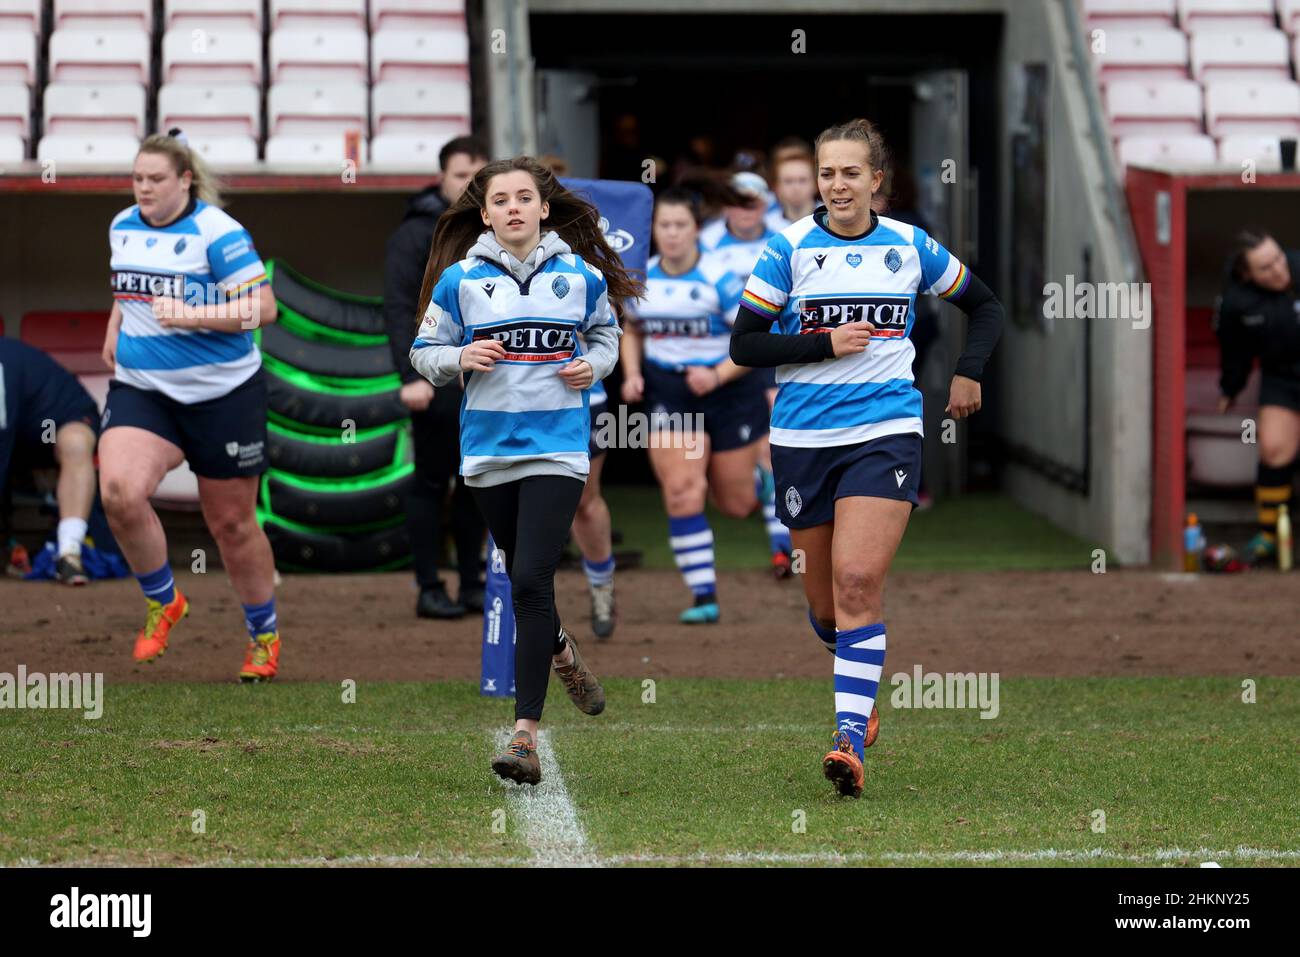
(711, 772)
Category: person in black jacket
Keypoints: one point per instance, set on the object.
(1259, 315)
(435, 414)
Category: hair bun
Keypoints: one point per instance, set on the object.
(179, 136)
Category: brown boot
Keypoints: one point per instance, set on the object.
(583, 687)
(519, 762)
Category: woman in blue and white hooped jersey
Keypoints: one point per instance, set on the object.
(675, 358)
(505, 308)
(846, 427)
(188, 289)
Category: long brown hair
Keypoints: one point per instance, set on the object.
(576, 220)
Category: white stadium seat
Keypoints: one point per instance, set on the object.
(1121, 13)
(316, 55)
(410, 150)
(1264, 151)
(18, 57)
(220, 151)
(104, 15)
(93, 109)
(1288, 11)
(12, 148)
(1160, 107)
(1161, 151)
(1145, 54)
(99, 56)
(312, 108)
(220, 54)
(398, 107)
(117, 151)
(349, 14)
(1197, 15)
(1271, 107)
(244, 14)
(1240, 55)
(211, 109)
(20, 15)
(420, 14)
(420, 56)
(15, 110)
(328, 149)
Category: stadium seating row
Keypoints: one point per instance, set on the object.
(1194, 16)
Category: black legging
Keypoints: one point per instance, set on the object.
(435, 433)
(529, 520)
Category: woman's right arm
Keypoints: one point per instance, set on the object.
(1236, 347)
(109, 352)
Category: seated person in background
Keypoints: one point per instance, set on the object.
(1259, 315)
(45, 410)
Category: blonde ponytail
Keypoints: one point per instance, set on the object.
(203, 184)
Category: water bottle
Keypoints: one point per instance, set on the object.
(1193, 544)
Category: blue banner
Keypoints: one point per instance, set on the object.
(625, 213)
(498, 669)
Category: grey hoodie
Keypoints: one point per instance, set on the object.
(512, 388)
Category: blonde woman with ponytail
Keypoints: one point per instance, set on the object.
(188, 290)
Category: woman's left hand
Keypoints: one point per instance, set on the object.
(963, 397)
(578, 375)
(702, 380)
(170, 313)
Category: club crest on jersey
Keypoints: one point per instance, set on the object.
(695, 292)
(793, 501)
(854, 259)
(893, 261)
(180, 246)
(532, 340)
(151, 242)
(824, 313)
(560, 286)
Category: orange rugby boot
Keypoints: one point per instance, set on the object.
(151, 640)
(263, 658)
(843, 767)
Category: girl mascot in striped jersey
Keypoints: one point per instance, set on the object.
(841, 285)
(517, 270)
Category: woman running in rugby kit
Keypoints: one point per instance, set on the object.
(675, 359)
(188, 289)
(847, 424)
(505, 307)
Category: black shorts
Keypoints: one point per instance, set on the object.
(734, 415)
(1279, 390)
(37, 398)
(809, 481)
(222, 438)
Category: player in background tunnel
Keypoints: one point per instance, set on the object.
(1258, 315)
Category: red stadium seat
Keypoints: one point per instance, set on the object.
(74, 339)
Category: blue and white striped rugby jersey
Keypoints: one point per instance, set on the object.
(203, 258)
(811, 281)
(521, 412)
(686, 320)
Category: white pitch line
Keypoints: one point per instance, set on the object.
(546, 813)
(759, 858)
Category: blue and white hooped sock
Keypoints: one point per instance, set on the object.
(859, 659)
(260, 619)
(827, 635)
(778, 535)
(692, 542)
(599, 573)
(159, 585)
